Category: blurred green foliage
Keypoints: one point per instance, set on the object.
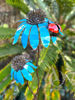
(19, 4)
(6, 33)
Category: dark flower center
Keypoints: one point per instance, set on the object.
(19, 61)
(36, 17)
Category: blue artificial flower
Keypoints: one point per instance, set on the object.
(21, 68)
(33, 29)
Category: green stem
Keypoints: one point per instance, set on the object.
(38, 54)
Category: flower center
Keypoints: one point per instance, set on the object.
(19, 61)
(36, 17)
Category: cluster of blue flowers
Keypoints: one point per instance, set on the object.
(32, 33)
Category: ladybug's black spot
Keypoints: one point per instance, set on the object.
(58, 26)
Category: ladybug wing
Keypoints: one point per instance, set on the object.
(59, 29)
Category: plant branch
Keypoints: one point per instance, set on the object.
(37, 66)
(38, 55)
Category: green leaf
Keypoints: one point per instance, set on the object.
(47, 86)
(5, 77)
(19, 4)
(55, 95)
(5, 84)
(70, 16)
(6, 33)
(5, 72)
(63, 26)
(11, 92)
(65, 6)
(9, 50)
(48, 57)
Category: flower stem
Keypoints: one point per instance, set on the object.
(38, 66)
(38, 55)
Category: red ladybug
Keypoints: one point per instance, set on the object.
(54, 28)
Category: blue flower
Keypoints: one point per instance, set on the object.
(19, 71)
(33, 29)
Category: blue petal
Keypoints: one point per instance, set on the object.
(28, 60)
(30, 64)
(20, 28)
(45, 36)
(25, 35)
(20, 77)
(46, 20)
(23, 23)
(24, 20)
(12, 73)
(45, 24)
(60, 32)
(34, 37)
(54, 39)
(26, 74)
(15, 76)
(29, 68)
